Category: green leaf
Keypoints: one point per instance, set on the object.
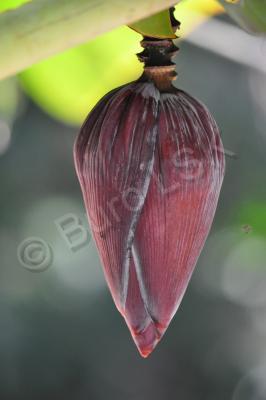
(69, 84)
(9, 4)
(157, 26)
(249, 14)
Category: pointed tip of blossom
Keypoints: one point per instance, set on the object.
(147, 339)
(145, 352)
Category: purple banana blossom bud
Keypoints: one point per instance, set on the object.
(150, 163)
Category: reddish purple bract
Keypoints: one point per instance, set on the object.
(150, 163)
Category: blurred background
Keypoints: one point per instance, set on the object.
(61, 336)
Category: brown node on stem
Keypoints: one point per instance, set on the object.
(157, 55)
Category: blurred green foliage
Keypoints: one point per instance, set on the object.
(9, 4)
(69, 84)
(253, 214)
(249, 14)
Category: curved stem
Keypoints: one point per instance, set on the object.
(42, 28)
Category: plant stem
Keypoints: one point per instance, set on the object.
(43, 28)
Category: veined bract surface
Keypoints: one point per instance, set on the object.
(150, 163)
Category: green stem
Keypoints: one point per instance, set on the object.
(43, 28)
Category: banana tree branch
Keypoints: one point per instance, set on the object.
(42, 28)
